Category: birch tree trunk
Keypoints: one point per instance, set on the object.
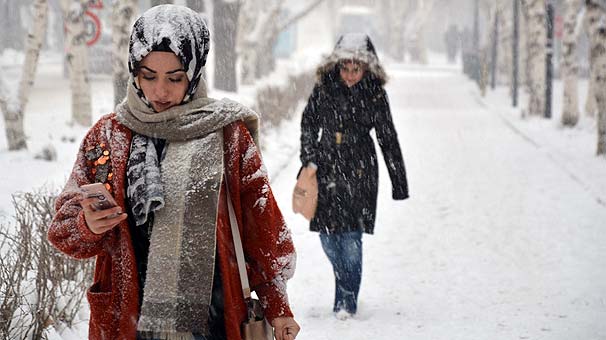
(14, 110)
(536, 35)
(591, 23)
(570, 105)
(598, 71)
(77, 60)
(123, 12)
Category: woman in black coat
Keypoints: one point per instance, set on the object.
(347, 102)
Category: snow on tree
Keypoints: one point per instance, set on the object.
(260, 24)
(77, 60)
(597, 24)
(536, 35)
(13, 107)
(568, 67)
(123, 12)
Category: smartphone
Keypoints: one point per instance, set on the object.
(97, 190)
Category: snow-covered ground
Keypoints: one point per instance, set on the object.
(503, 236)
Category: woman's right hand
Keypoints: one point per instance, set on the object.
(100, 221)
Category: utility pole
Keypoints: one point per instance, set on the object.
(516, 52)
(549, 60)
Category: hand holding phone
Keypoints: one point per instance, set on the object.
(103, 199)
(101, 211)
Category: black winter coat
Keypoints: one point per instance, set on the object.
(335, 135)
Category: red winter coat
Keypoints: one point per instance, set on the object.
(114, 294)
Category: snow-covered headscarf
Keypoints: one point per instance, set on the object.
(355, 47)
(170, 28)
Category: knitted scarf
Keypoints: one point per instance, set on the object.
(181, 261)
(143, 175)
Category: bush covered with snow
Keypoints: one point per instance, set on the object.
(277, 102)
(39, 286)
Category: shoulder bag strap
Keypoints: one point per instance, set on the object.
(238, 245)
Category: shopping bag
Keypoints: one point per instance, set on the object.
(305, 193)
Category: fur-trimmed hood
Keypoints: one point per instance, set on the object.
(352, 46)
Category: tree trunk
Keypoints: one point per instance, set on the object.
(77, 61)
(395, 12)
(592, 19)
(14, 111)
(570, 106)
(504, 66)
(524, 49)
(257, 32)
(13, 118)
(536, 35)
(266, 61)
(598, 70)
(225, 19)
(123, 12)
(416, 30)
(12, 29)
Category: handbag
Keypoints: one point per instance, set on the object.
(305, 194)
(256, 326)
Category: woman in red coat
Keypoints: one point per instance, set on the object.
(165, 259)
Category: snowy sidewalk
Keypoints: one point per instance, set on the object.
(495, 243)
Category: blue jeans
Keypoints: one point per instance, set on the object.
(345, 254)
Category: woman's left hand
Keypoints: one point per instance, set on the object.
(285, 328)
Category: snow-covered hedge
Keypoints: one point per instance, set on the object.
(279, 101)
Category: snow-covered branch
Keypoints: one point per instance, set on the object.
(299, 15)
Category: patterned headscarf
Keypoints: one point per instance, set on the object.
(170, 28)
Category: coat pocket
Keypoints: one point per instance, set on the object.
(102, 313)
